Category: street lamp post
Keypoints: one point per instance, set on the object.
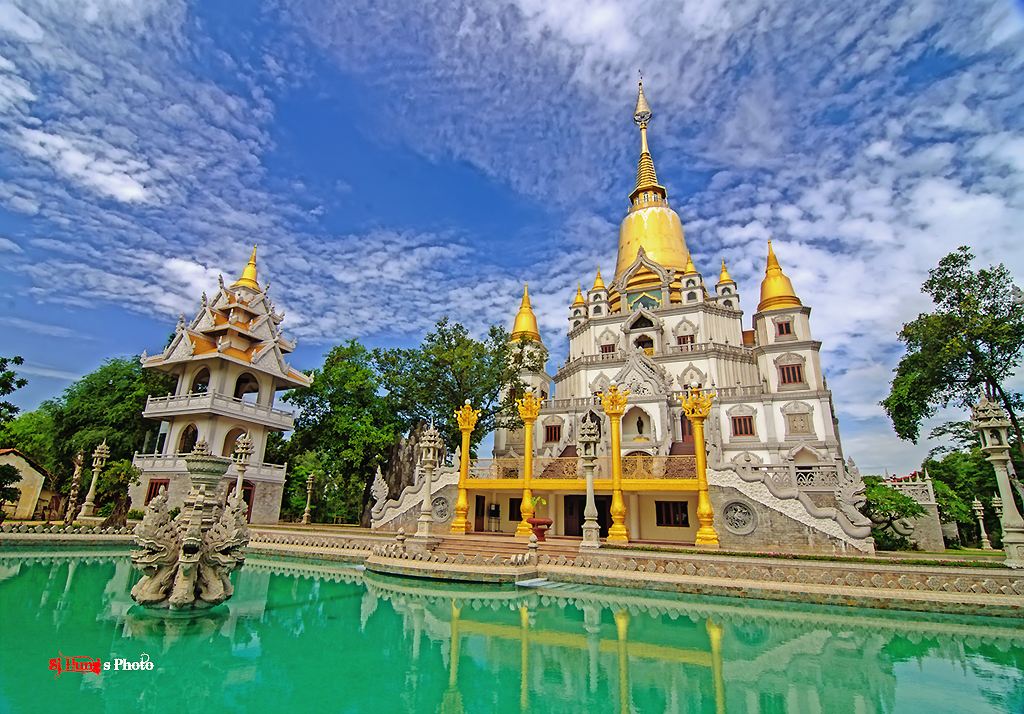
(309, 497)
(430, 447)
(589, 436)
(979, 511)
(99, 459)
(992, 425)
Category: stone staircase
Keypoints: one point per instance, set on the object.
(506, 546)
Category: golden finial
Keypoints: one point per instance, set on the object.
(466, 417)
(646, 177)
(598, 283)
(776, 289)
(525, 324)
(690, 269)
(642, 113)
(248, 278)
(579, 296)
(696, 403)
(725, 277)
(614, 401)
(529, 406)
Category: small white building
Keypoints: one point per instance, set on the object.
(33, 479)
(230, 362)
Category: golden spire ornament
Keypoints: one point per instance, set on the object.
(248, 278)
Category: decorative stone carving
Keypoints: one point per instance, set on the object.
(186, 561)
(739, 518)
(441, 509)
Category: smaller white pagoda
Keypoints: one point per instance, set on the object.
(230, 362)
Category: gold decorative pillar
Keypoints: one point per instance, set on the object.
(715, 633)
(467, 420)
(697, 406)
(614, 403)
(529, 408)
(622, 626)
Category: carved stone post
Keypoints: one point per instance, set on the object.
(979, 512)
(697, 406)
(614, 403)
(430, 446)
(76, 480)
(307, 514)
(466, 418)
(529, 409)
(99, 459)
(243, 450)
(588, 439)
(989, 420)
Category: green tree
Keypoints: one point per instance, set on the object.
(31, 433)
(885, 506)
(112, 488)
(9, 479)
(9, 382)
(347, 424)
(974, 338)
(431, 382)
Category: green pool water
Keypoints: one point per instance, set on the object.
(298, 637)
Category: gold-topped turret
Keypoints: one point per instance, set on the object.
(248, 278)
(725, 277)
(579, 301)
(526, 322)
(776, 289)
(598, 283)
(650, 224)
(690, 269)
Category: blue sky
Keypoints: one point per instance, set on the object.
(401, 162)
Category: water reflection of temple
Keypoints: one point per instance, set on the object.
(714, 656)
(441, 646)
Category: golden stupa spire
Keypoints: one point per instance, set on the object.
(579, 296)
(248, 278)
(646, 177)
(725, 277)
(776, 289)
(598, 283)
(690, 269)
(526, 322)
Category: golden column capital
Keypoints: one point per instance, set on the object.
(697, 406)
(529, 409)
(466, 418)
(614, 403)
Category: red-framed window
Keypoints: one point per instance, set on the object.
(671, 514)
(686, 339)
(784, 328)
(791, 374)
(607, 349)
(743, 426)
(552, 433)
(155, 484)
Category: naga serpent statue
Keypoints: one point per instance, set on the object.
(186, 560)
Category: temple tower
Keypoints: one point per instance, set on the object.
(230, 362)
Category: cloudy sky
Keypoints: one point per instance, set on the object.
(400, 162)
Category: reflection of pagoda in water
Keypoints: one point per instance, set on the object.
(438, 646)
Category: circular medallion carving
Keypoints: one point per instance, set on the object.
(739, 518)
(441, 509)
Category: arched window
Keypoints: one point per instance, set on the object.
(230, 439)
(201, 382)
(189, 437)
(690, 297)
(691, 283)
(597, 309)
(728, 303)
(246, 384)
(644, 342)
(726, 291)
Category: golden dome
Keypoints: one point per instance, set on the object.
(776, 289)
(598, 283)
(650, 223)
(725, 277)
(526, 322)
(248, 278)
(579, 297)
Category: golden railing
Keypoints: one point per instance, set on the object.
(634, 466)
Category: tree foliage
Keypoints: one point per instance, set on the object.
(9, 382)
(347, 425)
(974, 338)
(9, 479)
(431, 382)
(104, 404)
(887, 504)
